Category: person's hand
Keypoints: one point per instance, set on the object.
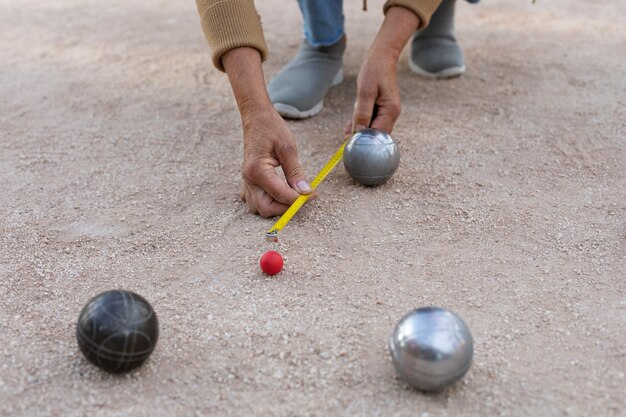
(377, 85)
(268, 144)
(267, 141)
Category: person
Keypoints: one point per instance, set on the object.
(234, 34)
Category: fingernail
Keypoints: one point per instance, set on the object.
(303, 187)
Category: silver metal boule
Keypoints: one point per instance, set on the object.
(431, 348)
(371, 157)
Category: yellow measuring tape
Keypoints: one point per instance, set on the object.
(272, 234)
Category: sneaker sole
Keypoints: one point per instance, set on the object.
(445, 73)
(290, 112)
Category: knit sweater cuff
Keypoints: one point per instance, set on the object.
(229, 24)
(424, 9)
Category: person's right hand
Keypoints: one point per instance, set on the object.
(268, 144)
(267, 141)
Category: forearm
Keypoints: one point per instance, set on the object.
(229, 24)
(399, 25)
(243, 66)
(422, 8)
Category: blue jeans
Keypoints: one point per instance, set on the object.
(323, 21)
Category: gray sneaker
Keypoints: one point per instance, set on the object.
(435, 52)
(298, 90)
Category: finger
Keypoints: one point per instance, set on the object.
(262, 203)
(383, 123)
(288, 157)
(348, 130)
(313, 196)
(363, 111)
(386, 117)
(246, 197)
(259, 202)
(276, 187)
(265, 177)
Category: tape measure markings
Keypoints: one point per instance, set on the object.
(272, 234)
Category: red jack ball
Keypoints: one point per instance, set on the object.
(271, 262)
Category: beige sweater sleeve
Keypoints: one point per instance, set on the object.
(424, 9)
(229, 24)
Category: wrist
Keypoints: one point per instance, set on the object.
(256, 115)
(399, 25)
(245, 73)
(254, 108)
(381, 52)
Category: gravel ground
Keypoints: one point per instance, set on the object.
(120, 168)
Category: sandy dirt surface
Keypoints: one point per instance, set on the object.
(120, 152)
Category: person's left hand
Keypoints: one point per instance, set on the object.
(377, 86)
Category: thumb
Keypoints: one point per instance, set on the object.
(288, 158)
(363, 110)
